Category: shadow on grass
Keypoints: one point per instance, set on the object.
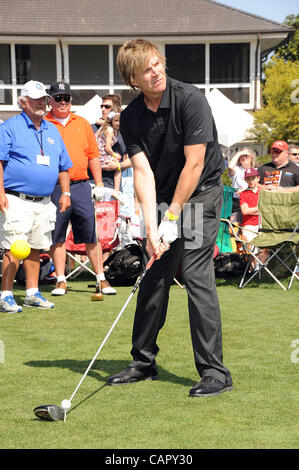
(265, 282)
(108, 367)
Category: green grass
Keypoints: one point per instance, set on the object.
(47, 352)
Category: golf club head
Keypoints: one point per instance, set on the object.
(98, 294)
(49, 412)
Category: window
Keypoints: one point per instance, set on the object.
(186, 62)
(237, 95)
(5, 73)
(35, 62)
(117, 77)
(88, 65)
(229, 63)
(5, 64)
(81, 97)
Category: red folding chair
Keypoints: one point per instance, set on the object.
(106, 213)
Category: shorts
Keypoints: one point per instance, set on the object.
(80, 215)
(32, 221)
(249, 232)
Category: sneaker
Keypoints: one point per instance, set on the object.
(37, 300)
(9, 305)
(106, 288)
(60, 289)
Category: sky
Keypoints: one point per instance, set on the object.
(275, 10)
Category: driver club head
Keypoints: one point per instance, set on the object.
(50, 413)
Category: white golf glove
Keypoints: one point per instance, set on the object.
(97, 193)
(168, 231)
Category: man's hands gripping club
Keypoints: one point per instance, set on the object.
(166, 234)
(168, 229)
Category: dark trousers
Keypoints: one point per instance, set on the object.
(194, 250)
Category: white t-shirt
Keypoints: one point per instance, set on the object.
(238, 181)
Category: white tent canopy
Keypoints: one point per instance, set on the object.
(232, 122)
(91, 111)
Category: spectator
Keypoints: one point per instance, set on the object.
(108, 102)
(294, 154)
(33, 156)
(82, 147)
(240, 162)
(128, 221)
(172, 142)
(281, 174)
(249, 209)
(106, 137)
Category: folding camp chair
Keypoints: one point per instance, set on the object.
(224, 240)
(106, 213)
(278, 233)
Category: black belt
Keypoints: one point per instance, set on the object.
(77, 181)
(25, 196)
(208, 185)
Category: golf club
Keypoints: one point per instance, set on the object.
(97, 295)
(56, 413)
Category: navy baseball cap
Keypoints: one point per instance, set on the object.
(60, 88)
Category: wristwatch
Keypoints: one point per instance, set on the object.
(67, 194)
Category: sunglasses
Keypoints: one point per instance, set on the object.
(295, 154)
(59, 98)
(276, 150)
(106, 106)
(244, 156)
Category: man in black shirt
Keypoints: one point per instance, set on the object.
(281, 174)
(171, 139)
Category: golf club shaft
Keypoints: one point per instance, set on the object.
(146, 269)
(97, 240)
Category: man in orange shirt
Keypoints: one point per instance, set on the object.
(82, 147)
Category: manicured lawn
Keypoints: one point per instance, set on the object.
(47, 352)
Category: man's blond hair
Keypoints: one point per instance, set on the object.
(133, 56)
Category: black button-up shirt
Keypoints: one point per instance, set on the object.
(183, 118)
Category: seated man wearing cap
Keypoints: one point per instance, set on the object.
(33, 157)
(281, 174)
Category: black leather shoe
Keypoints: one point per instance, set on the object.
(209, 387)
(132, 375)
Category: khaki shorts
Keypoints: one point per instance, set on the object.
(32, 221)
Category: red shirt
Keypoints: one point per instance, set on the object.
(251, 199)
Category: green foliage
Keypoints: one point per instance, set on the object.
(290, 50)
(278, 119)
(225, 178)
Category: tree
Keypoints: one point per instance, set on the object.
(290, 50)
(278, 118)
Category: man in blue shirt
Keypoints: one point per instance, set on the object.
(33, 157)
